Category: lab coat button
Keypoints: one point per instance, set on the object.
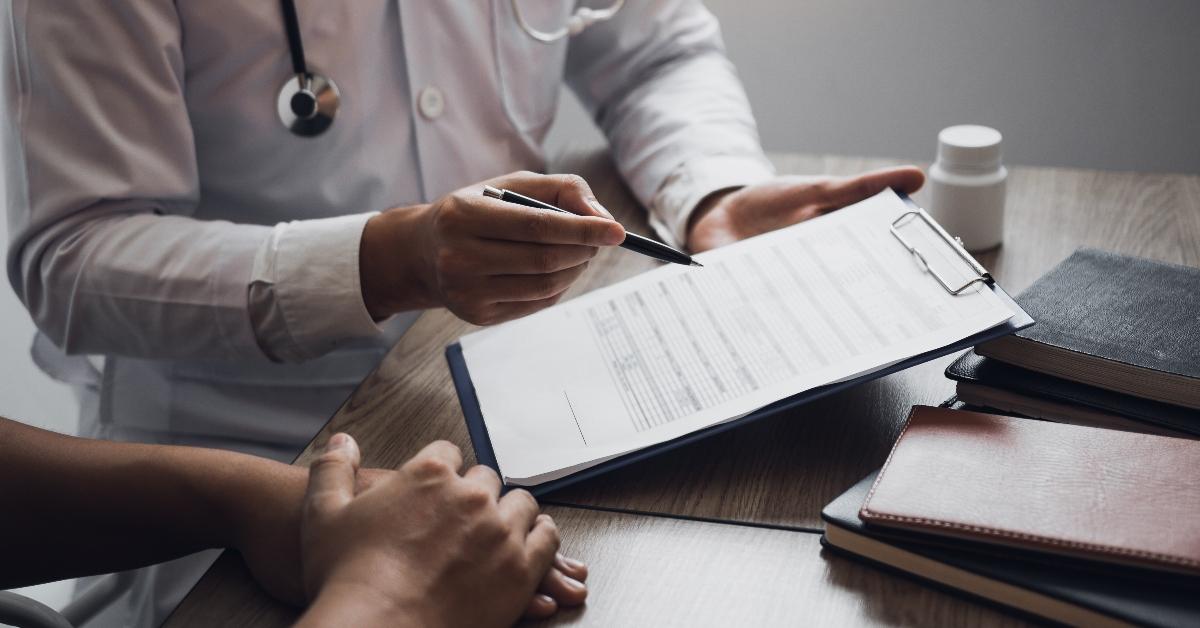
(431, 102)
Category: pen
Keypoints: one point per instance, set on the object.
(633, 241)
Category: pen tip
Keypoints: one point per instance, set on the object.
(695, 263)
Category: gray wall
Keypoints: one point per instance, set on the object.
(1112, 84)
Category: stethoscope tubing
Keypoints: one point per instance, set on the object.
(580, 20)
(291, 25)
(308, 106)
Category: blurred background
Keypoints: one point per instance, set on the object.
(1109, 84)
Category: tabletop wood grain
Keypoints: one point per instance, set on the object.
(777, 472)
(657, 571)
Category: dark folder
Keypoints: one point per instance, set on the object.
(483, 446)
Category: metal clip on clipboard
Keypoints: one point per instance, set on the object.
(981, 273)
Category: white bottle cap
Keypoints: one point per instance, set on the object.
(970, 146)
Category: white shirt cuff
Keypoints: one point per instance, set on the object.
(306, 284)
(694, 180)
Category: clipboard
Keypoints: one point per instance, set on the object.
(977, 274)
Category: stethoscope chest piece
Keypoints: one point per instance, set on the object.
(308, 103)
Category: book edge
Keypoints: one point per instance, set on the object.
(997, 591)
(1006, 349)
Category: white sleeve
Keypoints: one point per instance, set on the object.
(305, 294)
(102, 182)
(658, 83)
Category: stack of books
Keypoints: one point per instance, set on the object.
(1116, 345)
(1077, 525)
(1090, 516)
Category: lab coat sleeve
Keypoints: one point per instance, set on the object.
(658, 83)
(305, 294)
(101, 182)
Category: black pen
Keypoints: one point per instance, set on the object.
(633, 241)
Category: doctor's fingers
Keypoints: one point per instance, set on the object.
(501, 312)
(567, 191)
(508, 288)
(841, 191)
(498, 220)
(496, 257)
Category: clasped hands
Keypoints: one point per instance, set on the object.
(426, 544)
(489, 261)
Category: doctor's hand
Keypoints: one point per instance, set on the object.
(426, 546)
(486, 260)
(729, 216)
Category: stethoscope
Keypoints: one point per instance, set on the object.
(308, 101)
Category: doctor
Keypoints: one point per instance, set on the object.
(242, 267)
(242, 205)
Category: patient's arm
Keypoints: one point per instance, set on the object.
(75, 507)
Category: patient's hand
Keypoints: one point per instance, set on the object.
(268, 526)
(427, 546)
(729, 216)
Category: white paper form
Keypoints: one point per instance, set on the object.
(679, 348)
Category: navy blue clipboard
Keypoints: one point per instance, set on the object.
(486, 456)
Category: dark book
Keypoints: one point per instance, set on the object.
(1059, 589)
(1114, 322)
(993, 384)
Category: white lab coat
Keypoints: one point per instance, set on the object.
(162, 217)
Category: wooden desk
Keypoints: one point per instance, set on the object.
(753, 558)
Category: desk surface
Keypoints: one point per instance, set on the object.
(726, 531)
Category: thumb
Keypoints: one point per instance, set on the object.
(331, 477)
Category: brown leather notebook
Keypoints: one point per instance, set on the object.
(1086, 492)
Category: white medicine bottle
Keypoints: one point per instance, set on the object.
(967, 185)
